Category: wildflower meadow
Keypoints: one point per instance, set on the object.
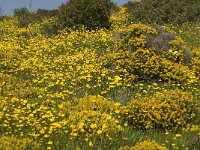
(134, 86)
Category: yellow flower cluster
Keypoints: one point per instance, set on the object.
(84, 119)
(145, 145)
(39, 121)
(73, 63)
(134, 36)
(12, 143)
(93, 103)
(192, 128)
(92, 116)
(164, 110)
(87, 125)
(196, 61)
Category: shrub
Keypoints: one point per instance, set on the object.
(22, 14)
(165, 41)
(165, 110)
(2, 18)
(90, 13)
(164, 11)
(11, 143)
(196, 61)
(145, 145)
(150, 52)
(92, 103)
(160, 38)
(90, 125)
(41, 14)
(25, 17)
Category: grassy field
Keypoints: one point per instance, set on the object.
(126, 88)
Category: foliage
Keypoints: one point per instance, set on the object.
(22, 14)
(93, 103)
(164, 11)
(46, 121)
(104, 61)
(145, 145)
(164, 110)
(41, 14)
(150, 52)
(189, 32)
(26, 17)
(11, 143)
(90, 126)
(65, 91)
(92, 14)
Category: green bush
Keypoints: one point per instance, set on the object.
(164, 11)
(165, 110)
(47, 19)
(22, 14)
(41, 14)
(90, 13)
(25, 17)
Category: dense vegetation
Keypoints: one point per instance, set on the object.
(118, 85)
(164, 11)
(89, 13)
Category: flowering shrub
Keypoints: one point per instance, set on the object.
(11, 143)
(91, 103)
(145, 63)
(164, 110)
(196, 61)
(146, 52)
(145, 145)
(87, 125)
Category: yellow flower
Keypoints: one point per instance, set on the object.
(42, 131)
(91, 144)
(173, 144)
(108, 117)
(50, 142)
(178, 135)
(125, 124)
(56, 124)
(74, 134)
(99, 132)
(116, 111)
(80, 124)
(93, 126)
(52, 119)
(104, 127)
(46, 135)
